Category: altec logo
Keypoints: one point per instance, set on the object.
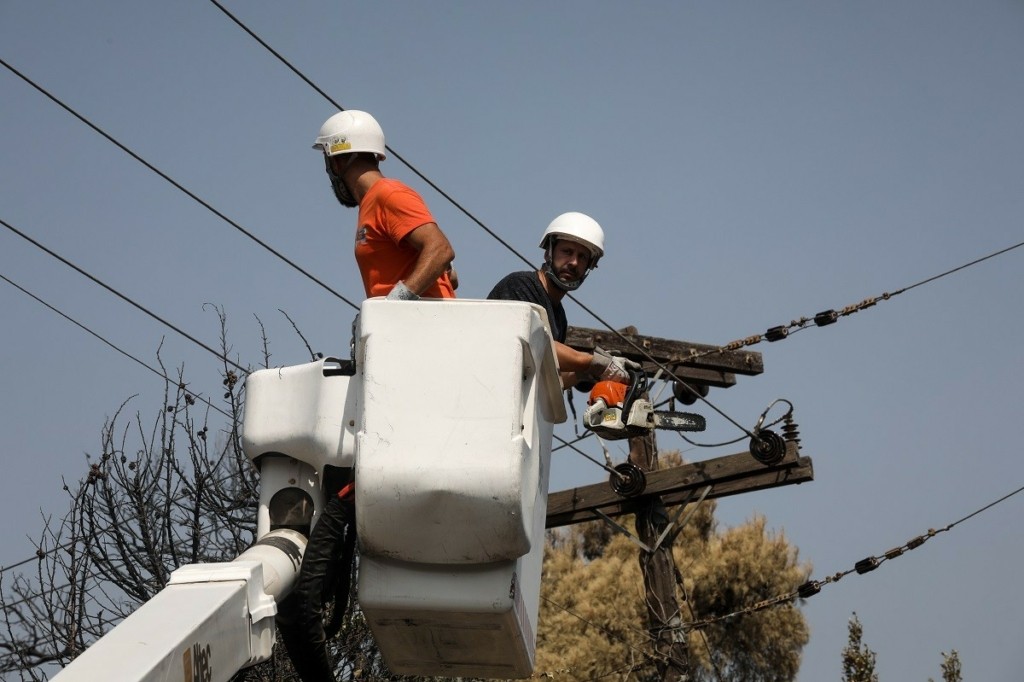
(196, 662)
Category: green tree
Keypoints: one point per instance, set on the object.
(950, 667)
(593, 619)
(858, 659)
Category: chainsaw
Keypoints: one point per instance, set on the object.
(616, 411)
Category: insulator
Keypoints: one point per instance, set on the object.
(809, 589)
(826, 317)
(628, 480)
(790, 431)
(776, 333)
(688, 396)
(767, 447)
(916, 542)
(866, 565)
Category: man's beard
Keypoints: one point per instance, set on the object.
(571, 285)
(344, 196)
(342, 192)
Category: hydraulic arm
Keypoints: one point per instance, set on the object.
(208, 622)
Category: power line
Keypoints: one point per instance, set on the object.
(395, 154)
(472, 217)
(171, 180)
(34, 595)
(608, 632)
(41, 553)
(846, 311)
(773, 334)
(112, 345)
(181, 386)
(122, 296)
(866, 565)
(828, 317)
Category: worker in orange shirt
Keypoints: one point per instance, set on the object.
(400, 250)
(402, 254)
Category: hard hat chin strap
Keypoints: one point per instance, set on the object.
(564, 286)
(552, 276)
(341, 190)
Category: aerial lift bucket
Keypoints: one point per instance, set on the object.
(458, 402)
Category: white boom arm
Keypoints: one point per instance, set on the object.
(208, 622)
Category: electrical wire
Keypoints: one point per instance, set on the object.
(41, 553)
(35, 595)
(209, 207)
(828, 317)
(776, 333)
(610, 633)
(643, 352)
(112, 345)
(866, 565)
(703, 635)
(124, 298)
(176, 184)
(773, 334)
(393, 153)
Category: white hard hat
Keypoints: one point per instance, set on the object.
(350, 132)
(576, 227)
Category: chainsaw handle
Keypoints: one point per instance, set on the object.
(637, 386)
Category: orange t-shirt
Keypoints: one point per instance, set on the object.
(387, 214)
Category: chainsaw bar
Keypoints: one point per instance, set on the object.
(679, 421)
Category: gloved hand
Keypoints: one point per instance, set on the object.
(607, 367)
(402, 293)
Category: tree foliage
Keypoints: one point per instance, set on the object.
(593, 616)
(950, 667)
(858, 659)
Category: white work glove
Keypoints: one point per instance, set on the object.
(402, 293)
(607, 367)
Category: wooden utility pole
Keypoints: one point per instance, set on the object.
(701, 367)
(658, 568)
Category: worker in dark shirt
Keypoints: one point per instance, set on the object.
(573, 244)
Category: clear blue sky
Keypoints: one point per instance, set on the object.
(751, 163)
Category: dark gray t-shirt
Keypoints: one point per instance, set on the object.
(526, 286)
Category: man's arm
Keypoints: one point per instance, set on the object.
(570, 359)
(597, 366)
(572, 364)
(435, 255)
